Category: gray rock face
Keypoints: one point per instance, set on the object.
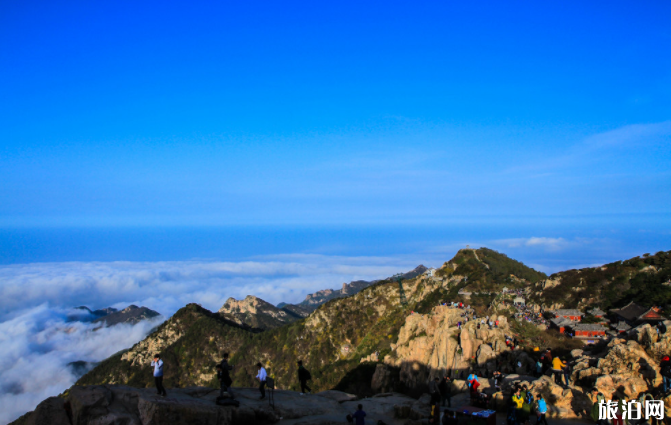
(50, 411)
(120, 405)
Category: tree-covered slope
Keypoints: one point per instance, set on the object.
(645, 280)
(331, 341)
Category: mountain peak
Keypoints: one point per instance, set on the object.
(257, 313)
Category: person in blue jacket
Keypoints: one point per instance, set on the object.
(359, 416)
(157, 363)
(541, 410)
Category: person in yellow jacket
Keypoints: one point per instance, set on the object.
(518, 404)
(557, 370)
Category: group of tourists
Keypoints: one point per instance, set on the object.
(522, 403)
(440, 390)
(224, 377)
(561, 370)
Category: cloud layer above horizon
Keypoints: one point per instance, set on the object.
(168, 286)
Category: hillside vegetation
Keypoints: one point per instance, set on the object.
(331, 341)
(645, 280)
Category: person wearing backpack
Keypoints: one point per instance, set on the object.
(665, 367)
(224, 376)
(528, 399)
(303, 377)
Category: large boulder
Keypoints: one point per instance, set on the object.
(484, 354)
(51, 411)
(382, 381)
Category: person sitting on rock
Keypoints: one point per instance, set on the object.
(303, 377)
(449, 418)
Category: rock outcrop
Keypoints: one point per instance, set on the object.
(113, 404)
(430, 345)
(314, 300)
(131, 314)
(257, 313)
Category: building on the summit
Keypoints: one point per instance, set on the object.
(561, 323)
(597, 312)
(634, 314)
(519, 301)
(588, 331)
(569, 313)
(620, 327)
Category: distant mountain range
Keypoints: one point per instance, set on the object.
(312, 301)
(111, 316)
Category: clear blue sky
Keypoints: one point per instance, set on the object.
(333, 113)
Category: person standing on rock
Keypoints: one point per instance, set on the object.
(596, 398)
(225, 381)
(557, 370)
(157, 363)
(541, 410)
(472, 379)
(303, 377)
(434, 391)
(262, 375)
(359, 416)
(445, 391)
(517, 403)
(665, 369)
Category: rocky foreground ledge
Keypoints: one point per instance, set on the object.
(116, 404)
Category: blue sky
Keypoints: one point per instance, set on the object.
(119, 114)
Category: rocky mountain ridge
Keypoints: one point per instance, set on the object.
(331, 341)
(410, 341)
(111, 316)
(257, 313)
(314, 300)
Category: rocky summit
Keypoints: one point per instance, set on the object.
(257, 313)
(480, 312)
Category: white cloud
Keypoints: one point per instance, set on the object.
(37, 345)
(35, 301)
(167, 286)
(545, 243)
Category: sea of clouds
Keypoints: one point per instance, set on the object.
(39, 338)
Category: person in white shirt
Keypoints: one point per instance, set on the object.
(261, 376)
(157, 363)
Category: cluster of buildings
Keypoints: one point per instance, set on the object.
(619, 320)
